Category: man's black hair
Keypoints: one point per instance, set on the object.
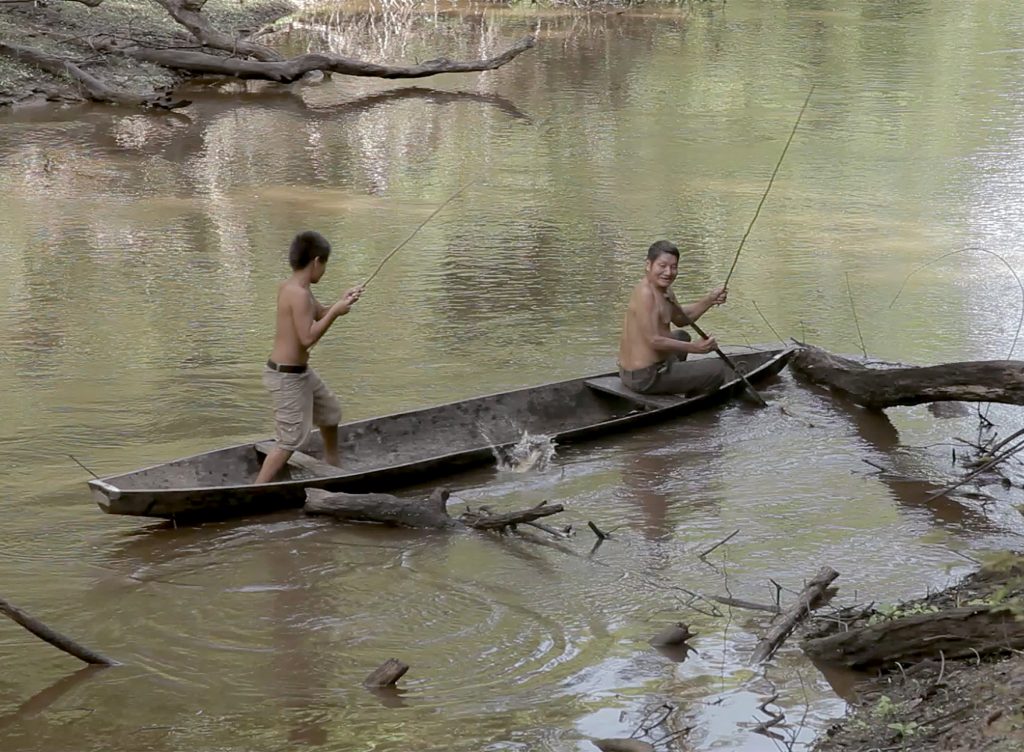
(660, 247)
(307, 246)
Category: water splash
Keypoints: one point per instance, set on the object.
(531, 452)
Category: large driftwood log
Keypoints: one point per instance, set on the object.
(812, 594)
(431, 513)
(876, 388)
(53, 637)
(951, 633)
(384, 508)
(289, 71)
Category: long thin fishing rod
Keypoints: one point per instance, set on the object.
(433, 214)
(765, 194)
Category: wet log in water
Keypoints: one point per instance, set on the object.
(430, 513)
(876, 388)
(383, 508)
(387, 674)
(676, 634)
(623, 745)
(951, 633)
(56, 639)
(813, 594)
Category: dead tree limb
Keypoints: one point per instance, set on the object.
(56, 639)
(812, 593)
(739, 603)
(289, 71)
(189, 14)
(487, 521)
(951, 633)
(877, 388)
(430, 513)
(96, 89)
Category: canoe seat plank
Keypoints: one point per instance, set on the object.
(300, 460)
(614, 385)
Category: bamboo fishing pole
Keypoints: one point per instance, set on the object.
(422, 224)
(728, 361)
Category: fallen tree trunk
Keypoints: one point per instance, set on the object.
(431, 513)
(289, 71)
(53, 637)
(384, 508)
(876, 388)
(813, 594)
(951, 633)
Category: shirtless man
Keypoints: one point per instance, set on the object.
(651, 356)
(300, 398)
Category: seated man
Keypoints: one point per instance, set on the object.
(651, 356)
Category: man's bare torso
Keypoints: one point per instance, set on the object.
(634, 350)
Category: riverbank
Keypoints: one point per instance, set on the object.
(940, 703)
(58, 28)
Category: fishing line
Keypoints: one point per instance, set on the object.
(766, 190)
(433, 214)
(1020, 321)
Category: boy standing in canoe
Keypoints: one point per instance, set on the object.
(301, 400)
(651, 356)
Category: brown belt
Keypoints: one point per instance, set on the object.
(286, 369)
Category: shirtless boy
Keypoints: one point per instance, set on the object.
(301, 400)
(651, 356)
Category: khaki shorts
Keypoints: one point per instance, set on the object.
(301, 400)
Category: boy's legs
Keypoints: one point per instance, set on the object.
(293, 418)
(326, 416)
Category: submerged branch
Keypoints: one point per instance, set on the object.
(53, 637)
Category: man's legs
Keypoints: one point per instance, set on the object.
(694, 377)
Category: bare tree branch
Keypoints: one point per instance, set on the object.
(188, 14)
(96, 89)
(288, 71)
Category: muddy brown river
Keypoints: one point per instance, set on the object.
(140, 254)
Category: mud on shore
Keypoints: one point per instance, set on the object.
(974, 703)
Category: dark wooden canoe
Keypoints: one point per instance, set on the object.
(388, 452)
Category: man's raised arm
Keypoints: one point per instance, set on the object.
(686, 315)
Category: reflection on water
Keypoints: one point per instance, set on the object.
(141, 252)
